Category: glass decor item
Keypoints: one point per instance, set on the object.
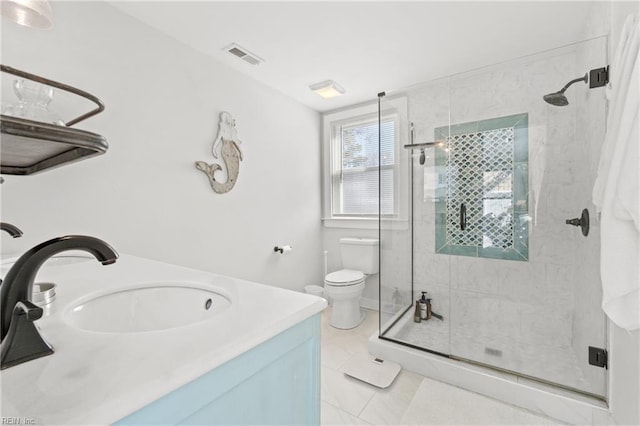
(33, 138)
(482, 210)
(34, 99)
(29, 13)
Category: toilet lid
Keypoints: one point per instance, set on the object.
(345, 277)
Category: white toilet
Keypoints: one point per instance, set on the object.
(344, 287)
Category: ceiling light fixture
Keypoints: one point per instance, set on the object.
(328, 89)
(30, 13)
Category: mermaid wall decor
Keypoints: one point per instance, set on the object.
(227, 146)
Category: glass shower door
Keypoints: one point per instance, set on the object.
(497, 176)
(394, 228)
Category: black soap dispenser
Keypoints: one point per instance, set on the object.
(424, 306)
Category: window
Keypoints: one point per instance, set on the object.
(355, 181)
(353, 160)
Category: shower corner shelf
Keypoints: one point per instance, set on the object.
(30, 147)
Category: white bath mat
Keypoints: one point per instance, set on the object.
(375, 371)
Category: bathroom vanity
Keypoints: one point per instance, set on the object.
(145, 342)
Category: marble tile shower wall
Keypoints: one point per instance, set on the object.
(502, 301)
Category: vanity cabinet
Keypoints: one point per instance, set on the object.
(277, 382)
(257, 362)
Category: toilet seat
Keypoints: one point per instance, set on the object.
(344, 278)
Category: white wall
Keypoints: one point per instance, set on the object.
(145, 196)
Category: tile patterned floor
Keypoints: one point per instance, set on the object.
(412, 399)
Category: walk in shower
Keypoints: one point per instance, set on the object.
(486, 176)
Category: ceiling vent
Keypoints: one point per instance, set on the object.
(243, 54)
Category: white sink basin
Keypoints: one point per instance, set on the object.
(147, 307)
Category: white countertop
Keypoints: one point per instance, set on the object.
(98, 378)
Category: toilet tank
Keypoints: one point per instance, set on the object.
(360, 254)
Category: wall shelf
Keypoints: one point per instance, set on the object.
(30, 147)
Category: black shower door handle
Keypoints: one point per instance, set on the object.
(463, 217)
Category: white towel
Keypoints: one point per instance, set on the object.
(616, 192)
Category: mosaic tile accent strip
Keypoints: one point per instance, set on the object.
(481, 162)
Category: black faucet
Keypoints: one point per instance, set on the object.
(10, 229)
(21, 341)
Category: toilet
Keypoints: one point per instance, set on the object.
(344, 287)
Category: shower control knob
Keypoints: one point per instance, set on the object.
(582, 222)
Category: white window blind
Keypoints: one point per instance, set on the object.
(356, 190)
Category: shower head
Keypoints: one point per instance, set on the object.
(558, 98)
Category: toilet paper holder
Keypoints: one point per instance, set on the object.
(283, 249)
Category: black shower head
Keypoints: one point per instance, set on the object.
(558, 98)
